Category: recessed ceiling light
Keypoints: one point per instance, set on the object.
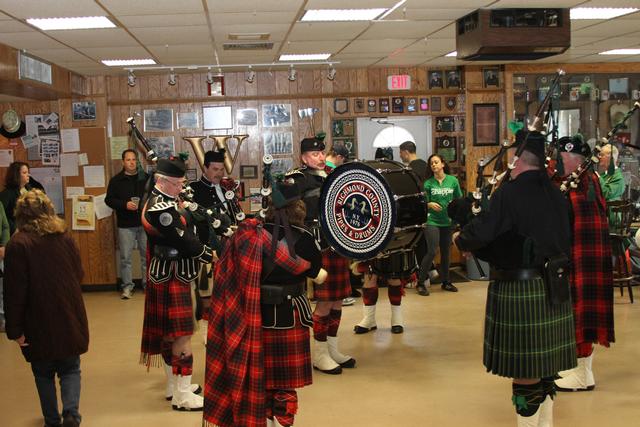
(454, 53)
(621, 52)
(127, 62)
(305, 57)
(78, 23)
(600, 12)
(342, 14)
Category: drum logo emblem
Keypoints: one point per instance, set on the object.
(357, 211)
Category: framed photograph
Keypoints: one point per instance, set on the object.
(371, 106)
(276, 143)
(397, 104)
(412, 106)
(281, 166)
(486, 124)
(188, 120)
(342, 127)
(248, 172)
(491, 77)
(619, 88)
(453, 79)
(358, 105)
(217, 117)
(445, 124)
(446, 147)
(162, 145)
(216, 87)
(247, 117)
(384, 105)
(341, 105)
(84, 110)
(274, 115)
(160, 120)
(424, 104)
(435, 80)
(451, 102)
(435, 103)
(191, 174)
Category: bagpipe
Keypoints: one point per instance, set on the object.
(573, 179)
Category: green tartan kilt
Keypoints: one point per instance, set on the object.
(524, 335)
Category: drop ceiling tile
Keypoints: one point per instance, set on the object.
(315, 47)
(250, 18)
(428, 14)
(14, 27)
(381, 47)
(31, 40)
(48, 9)
(155, 7)
(183, 51)
(107, 37)
(358, 62)
(246, 56)
(276, 31)
(402, 29)
(611, 28)
(608, 3)
(59, 55)
(4, 17)
(535, 3)
(577, 42)
(174, 36)
(614, 43)
(448, 32)
(174, 20)
(100, 53)
(580, 24)
(230, 6)
(305, 31)
(351, 4)
(402, 60)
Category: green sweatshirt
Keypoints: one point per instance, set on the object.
(441, 194)
(612, 185)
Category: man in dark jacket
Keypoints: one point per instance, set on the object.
(124, 193)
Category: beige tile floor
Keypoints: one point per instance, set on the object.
(432, 375)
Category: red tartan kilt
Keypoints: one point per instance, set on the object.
(168, 312)
(287, 357)
(338, 285)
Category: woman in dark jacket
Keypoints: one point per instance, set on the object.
(16, 183)
(45, 312)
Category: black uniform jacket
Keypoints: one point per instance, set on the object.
(121, 189)
(527, 222)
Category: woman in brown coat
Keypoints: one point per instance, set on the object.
(45, 312)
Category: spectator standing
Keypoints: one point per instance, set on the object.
(124, 194)
(441, 188)
(409, 157)
(4, 238)
(16, 184)
(44, 307)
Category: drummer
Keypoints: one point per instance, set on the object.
(326, 316)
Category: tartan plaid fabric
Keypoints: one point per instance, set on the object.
(592, 272)
(168, 312)
(234, 392)
(287, 357)
(525, 336)
(338, 285)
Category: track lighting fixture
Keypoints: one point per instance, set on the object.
(331, 74)
(292, 74)
(172, 78)
(251, 75)
(131, 79)
(209, 76)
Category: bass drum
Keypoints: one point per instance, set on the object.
(372, 208)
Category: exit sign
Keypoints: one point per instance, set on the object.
(399, 82)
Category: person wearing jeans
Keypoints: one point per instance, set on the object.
(124, 195)
(68, 371)
(440, 189)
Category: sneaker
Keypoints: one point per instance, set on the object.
(348, 301)
(448, 286)
(126, 294)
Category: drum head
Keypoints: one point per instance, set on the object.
(357, 211)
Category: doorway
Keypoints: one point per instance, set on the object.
(391, 132)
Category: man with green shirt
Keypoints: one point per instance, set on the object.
(611, 179)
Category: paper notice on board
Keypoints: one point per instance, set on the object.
(6, 158)
(118, 145)
(31, 124)
(51, 180)
(69, 164)
(83, 217)
(101, 208)
(70, 140)
(29, 141)
(83, 159)
(50, 152)
(93, 176)
(74, 191)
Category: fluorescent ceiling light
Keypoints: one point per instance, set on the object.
(79, 23)
(390, 11)
(305, 57)
(621, 52)
(600, 12)
(454, 53)
(126, 62)
(342, 14)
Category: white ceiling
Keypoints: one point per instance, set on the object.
(188, 32)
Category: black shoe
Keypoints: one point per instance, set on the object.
(397, 329)
(351, 363)
(362, 330)
(70, 421)
(422, 290)
(448, 286)
(335, 371)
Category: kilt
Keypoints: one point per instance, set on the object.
(338, 283)
(524, 335)
(287, 357)
(168, 312)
